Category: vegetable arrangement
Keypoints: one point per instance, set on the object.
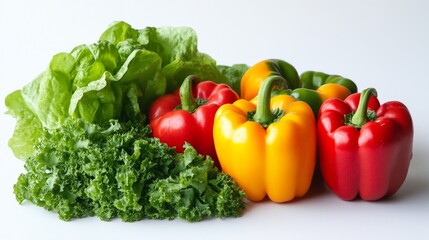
(80, 167)
(141, 125)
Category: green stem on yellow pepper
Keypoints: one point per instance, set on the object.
(263, 114)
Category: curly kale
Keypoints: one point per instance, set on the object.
(117, 170)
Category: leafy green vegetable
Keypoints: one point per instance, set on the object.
(92, 155)
(28, 127)
(48, 95)
(195, 192)
(117, 77)
(117, 170)
(233, 75)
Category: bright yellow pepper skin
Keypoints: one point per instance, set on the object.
(272, 156)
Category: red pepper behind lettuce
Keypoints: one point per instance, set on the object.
(365, 149)
(179, 117)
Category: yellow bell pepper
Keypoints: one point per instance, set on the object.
(267, 145)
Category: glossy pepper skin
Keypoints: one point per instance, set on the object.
(314, 80)
(311, 87)
(268, 145)
(315, 97)
(187, 115)
(256, 74)
(317, 87)
(365, 149)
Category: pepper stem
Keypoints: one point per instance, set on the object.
(188, 101)
(263, 114)
(360, 117)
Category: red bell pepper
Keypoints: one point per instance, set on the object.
(365, 149)
(179, 117)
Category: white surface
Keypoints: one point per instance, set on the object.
(383, 44)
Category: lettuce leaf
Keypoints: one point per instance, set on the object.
(119, 31)
(48, 96)
(117, 77)
(233, 75)
(28, 127)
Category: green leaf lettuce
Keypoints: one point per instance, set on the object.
(117, 77)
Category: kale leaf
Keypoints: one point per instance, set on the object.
(118, 170)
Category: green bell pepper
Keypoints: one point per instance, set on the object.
(313, 80)
(316, 87)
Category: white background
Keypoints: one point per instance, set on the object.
(382, 44)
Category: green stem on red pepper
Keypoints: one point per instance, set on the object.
(360, 117)
(263, 114)
(188, 102)
(360, 160)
